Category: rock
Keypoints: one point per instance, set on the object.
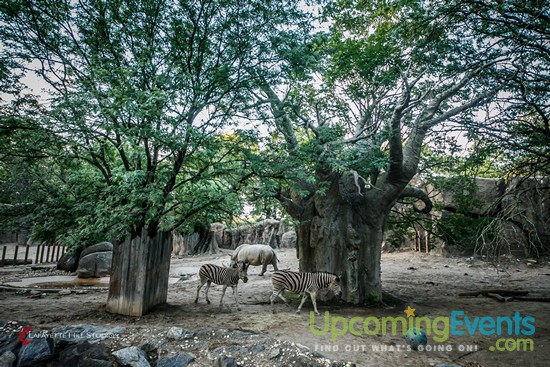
(275, 352)
(257, 348)
(64, 292)
(98, 247)
(178, 333)
(131, 357)
(79, 333)
(9, 342)
(7, 358)
(179, 360)
(225, 361)
(95, 265)
(38, 350)
(69, 261)
(85, 355)
(288, 240)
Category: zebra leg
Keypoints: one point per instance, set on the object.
(302, 303)
(236, 294)
(264, 269)
(313, 300)
(208, 283)
(223, 294)
(280, 294)
(275, 294)
(199, 288)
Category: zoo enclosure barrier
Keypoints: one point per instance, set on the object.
(42, 253)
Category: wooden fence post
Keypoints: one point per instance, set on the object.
(15, 255)
(3, 254)
(42, 253)
(27, 253)
(57, 252)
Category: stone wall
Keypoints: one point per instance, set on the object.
(515, 214)
(270, 232)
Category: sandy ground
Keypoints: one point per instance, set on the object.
(429, 284)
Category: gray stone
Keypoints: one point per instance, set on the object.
(85, 355)
(288, 239)
(225, 361)
(257, 348)
(275, 352)
(131, 357)
(38, 350)
(79, 333)
(177, 333)
(69, 261)
(7, 358)
(9, 342)
(98, 247)
(179, 360)
(95, 265)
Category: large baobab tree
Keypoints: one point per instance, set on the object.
(346, 143)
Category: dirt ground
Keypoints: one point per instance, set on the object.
(429, 284)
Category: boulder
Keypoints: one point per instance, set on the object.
(85, 354)
(131, 356)
(37, 351)
(69, 261)
(95, 265)
(288, 240)
(95, 261)
(179, 360)
(98, 247)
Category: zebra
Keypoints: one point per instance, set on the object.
(303, 282)
(210, 273)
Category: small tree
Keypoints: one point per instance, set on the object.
(141, 91)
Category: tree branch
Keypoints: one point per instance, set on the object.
(417, 194)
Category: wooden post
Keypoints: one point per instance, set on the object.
(48, 252)
(27, 247)
(57, 252)
(139, 274)
(37, 254)
(42, 253)
(3, 255)
(15, 255)
(53, 252)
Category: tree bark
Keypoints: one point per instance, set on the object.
(343, 234)
(139, 274)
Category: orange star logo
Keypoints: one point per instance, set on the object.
(410, 311)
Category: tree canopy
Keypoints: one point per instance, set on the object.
(143, 98)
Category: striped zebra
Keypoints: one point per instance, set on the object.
(303, 282)
(228, 277)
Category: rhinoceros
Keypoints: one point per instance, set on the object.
(255, 255)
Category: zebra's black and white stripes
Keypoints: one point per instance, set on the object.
(228, 277)
(303, 282)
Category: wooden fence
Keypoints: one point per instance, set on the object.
(23, 254)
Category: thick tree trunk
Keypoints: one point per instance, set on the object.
(139, 274)
(342, 243)
(344, 236)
